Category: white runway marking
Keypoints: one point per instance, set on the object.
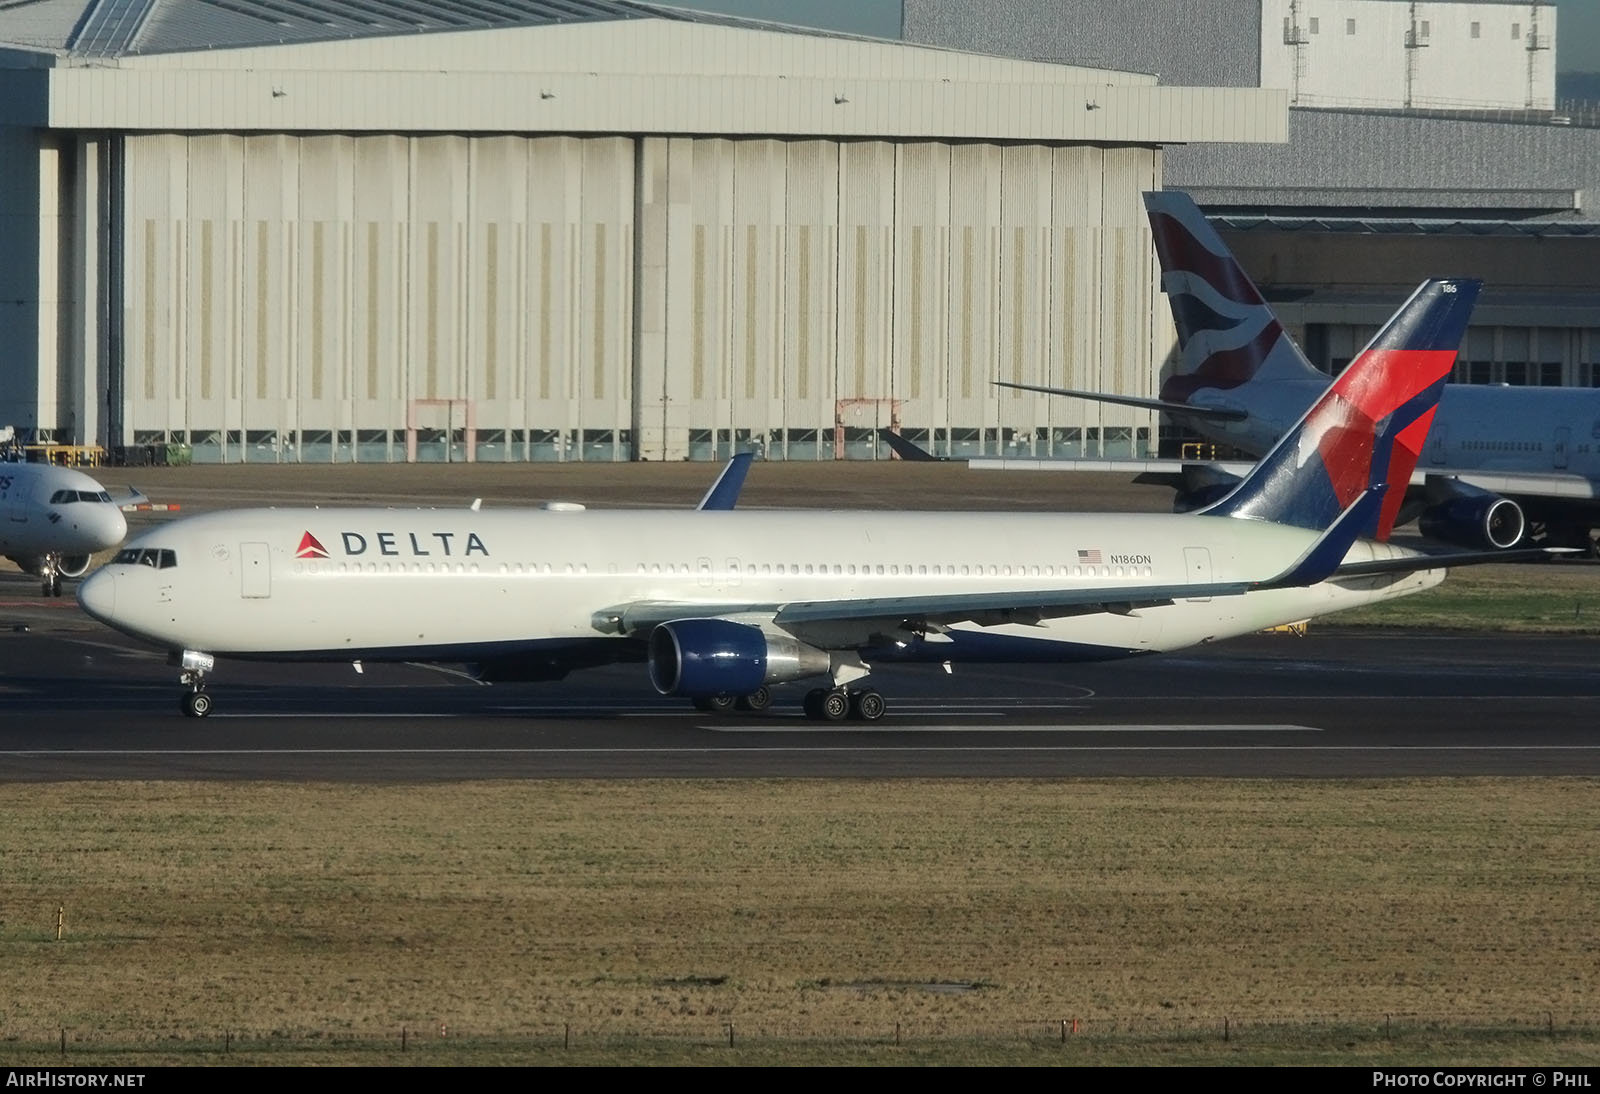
(810, 750)
(889, 726)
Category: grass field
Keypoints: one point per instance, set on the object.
(865, 922)
(1551, 597)
(1443, 921)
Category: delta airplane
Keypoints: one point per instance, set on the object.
(54, 520)
(1501, 462)
(722, 604)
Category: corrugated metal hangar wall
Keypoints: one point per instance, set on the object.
(628, 237)
(310, 297)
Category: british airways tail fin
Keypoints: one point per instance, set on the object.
(1228, 334)
(1369, 427)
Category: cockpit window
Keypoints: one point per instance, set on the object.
(63, 497)
(155, 558)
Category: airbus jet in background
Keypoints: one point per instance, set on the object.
(1503, 464)
(720, 605)
(54, 519)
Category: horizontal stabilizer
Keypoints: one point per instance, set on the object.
(1324, 556)
(1448, 560)
(1211, 413)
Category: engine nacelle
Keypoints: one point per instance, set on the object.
(1480, 520)
(701, 658)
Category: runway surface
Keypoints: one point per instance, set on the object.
(80, 702)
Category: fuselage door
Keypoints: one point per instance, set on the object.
(1197, 570)
(255, 570)
(1558, 451)
(1438, 437)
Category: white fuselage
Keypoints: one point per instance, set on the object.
(457, 584)
(46, 509)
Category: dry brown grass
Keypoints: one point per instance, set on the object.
(794, 909)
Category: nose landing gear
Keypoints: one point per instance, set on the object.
(50, 571)
(195, 665)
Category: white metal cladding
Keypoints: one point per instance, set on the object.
(282, 101)
(282, 287)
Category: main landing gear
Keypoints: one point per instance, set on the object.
(821, 704)
(837, 704)
(755, 702)
(195, 665)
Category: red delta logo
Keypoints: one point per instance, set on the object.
(310, 548)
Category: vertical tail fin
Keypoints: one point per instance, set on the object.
(1227, 333)
(1367, 429)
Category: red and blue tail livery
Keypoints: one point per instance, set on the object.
(1368, 428)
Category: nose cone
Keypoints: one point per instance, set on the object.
(98, 595)
(103, 525)
(114, 526)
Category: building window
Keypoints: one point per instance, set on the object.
(1516, 32)
(1477, 29)
(1349, 26)
(1427, 29)
(1315, 28)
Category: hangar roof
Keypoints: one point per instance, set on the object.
(561, 66)
(110, 28)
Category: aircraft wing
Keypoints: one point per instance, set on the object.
(909, 450)
(1540, 484)
(128, 497)
(842, 624)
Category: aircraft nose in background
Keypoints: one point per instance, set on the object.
(108, 526)
(116, 526)
(98, 595)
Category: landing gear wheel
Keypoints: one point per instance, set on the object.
(196, 704)
(866, 706)
(714, 704)
(757, 701)
(813, 703)
(835, 705)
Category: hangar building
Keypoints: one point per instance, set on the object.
(567, 229)
(1425, 139)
